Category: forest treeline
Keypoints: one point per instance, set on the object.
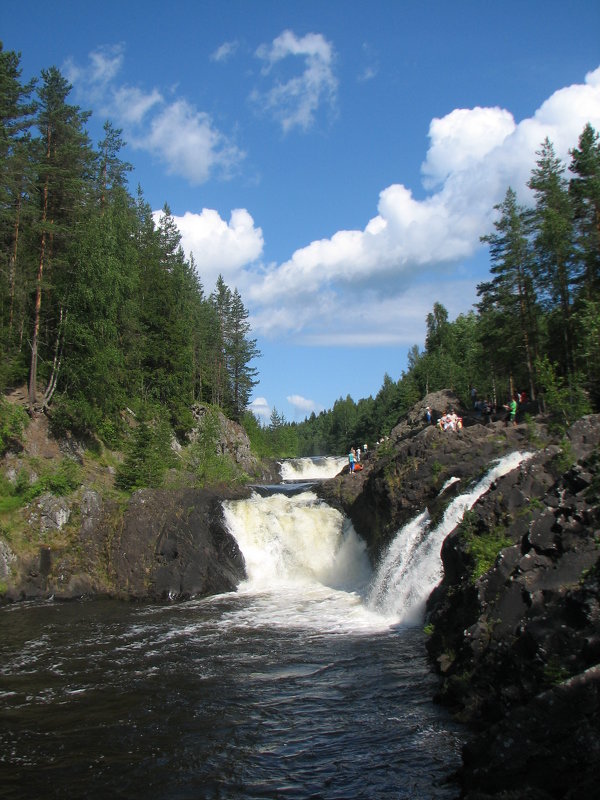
(534, 329)
(100, 310)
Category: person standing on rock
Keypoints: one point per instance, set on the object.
(351, 460)
(512, 411)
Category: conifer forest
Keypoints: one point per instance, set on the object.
(101, 310)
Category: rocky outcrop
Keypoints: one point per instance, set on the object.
(162, 545)
(406, 473)
(231, 441)
(516, 626)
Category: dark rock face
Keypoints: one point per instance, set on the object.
(407, 473)
(174, 545)
(518, 647)
(516, 619)
(163, 545)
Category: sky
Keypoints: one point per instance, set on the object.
(336, 161)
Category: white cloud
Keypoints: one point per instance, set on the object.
(301, 404)
(220, 247)
(131, 104)
(187, 141)
(260, 408)
(401, 261)
(184, 138)
(295, 102)
(104, 64)
(462, 139)
(225, 51)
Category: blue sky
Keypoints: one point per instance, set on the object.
(336, 161)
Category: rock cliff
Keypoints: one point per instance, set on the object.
(161, 545)
(153, 545)
(514, 627)
(518, 644)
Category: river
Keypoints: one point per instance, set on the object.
(305, 683)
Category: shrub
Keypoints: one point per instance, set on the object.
(204, 460)
(13, 421)
(483, 546)
(148, 455)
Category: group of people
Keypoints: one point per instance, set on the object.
(354, 458)
(450, 421)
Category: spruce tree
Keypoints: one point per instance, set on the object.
(241, 350)
(553, 245)
(508, 300)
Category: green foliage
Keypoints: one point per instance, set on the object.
(13, 421)
(483, 546)
(555, 672)
(436, 471)
(148, 454)
(565, 458)
(59, 480)
(204, 459)
(64, 479)
(565, 403)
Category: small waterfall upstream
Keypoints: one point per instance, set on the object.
(307, 566)
(316, 468)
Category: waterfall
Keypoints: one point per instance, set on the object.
(412, 566)
(307, 567)
(313, 468)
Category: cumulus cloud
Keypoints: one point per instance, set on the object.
(295, 102)
(189, 144)
(131, 104)
(412, 251)
(175, 132)
(219, 247)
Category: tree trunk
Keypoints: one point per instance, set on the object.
(13, 266)
(38, 300)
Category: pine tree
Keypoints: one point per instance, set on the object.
(221, 302)
(553, 235)
(112, 172)
(508, 300)
(64, 172)
(16, 184)
(584, 191)
(241, 350)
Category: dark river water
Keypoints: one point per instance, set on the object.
(215, 699)
(310, 681)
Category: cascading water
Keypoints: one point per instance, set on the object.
(315, 468)
(293, 686)
(314, 568)
(412, 567)
(306, 566)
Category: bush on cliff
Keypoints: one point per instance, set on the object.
(148, 455)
